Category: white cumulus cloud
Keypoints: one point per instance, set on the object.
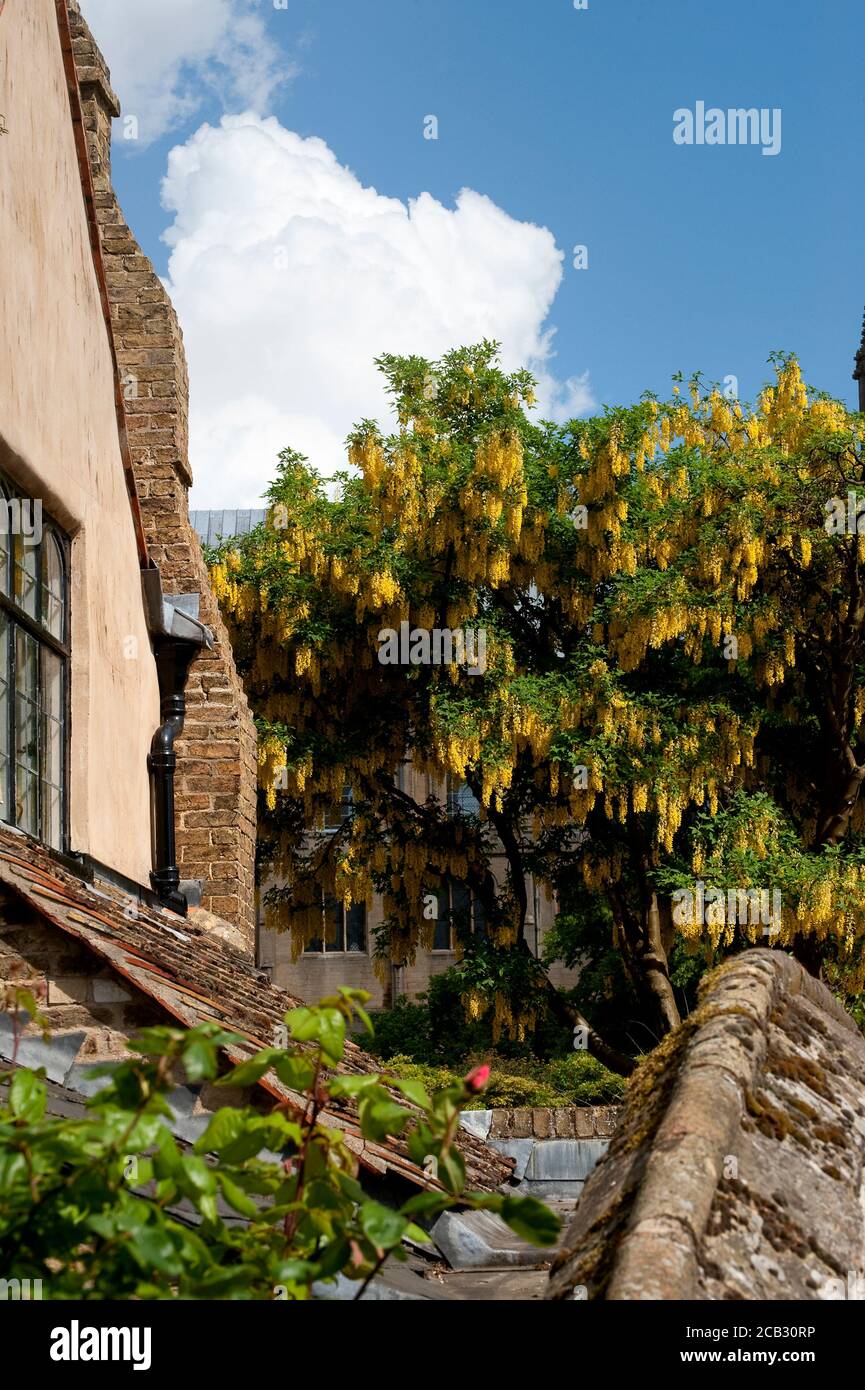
(290, 277)
(167, 56)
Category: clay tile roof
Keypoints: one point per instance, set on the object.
(197, 977)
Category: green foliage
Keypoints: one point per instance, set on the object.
(582, 937)
(583, 1080)
(577, 1079)
(404, 1030)
(88, 1206)
(436, 1030)
(672, 598)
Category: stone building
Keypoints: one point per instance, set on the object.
(736, 1170)
(93, 440)
(344, 952)
(127, 749)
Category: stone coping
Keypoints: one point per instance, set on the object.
(737, 1167)
(544, 1122)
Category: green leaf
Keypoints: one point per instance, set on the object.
(414, 1090)
(357, 998)
(531, 1220)
(351, 1085)
(207, 1207)
(225, 1126)
(382, 1226)
(144, 1172)
(224, 1283)
(200, 1060)
(295, 1272)
(153, 1248)
(421, 1141)
(452, 1171)
(27, 1096)
(295, 1071)
(418, 1234)
(26, 1001)
(426, 1204)
(349, 1186)
(323, 1026)
(144, 1134)
(169, 1161)
(249, 1142)
(247, 1073)
(334, 1258)
(237, 1198)
(381, 1118)
(156, 1042)
(198, 1175)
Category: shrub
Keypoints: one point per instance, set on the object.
(574, 1080)
(402, 1031)
(509, 1091)
(434, 1029)
(583, 1080)
(86, 1204)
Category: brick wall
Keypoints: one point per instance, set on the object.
(77, 991)
(216, 773)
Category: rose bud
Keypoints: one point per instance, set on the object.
(477, 1078)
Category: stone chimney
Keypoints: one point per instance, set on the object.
(216, 771)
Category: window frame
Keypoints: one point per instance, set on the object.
(475, 909)
(346, 807)
(460, 800)
(17, 617)
(319, 944)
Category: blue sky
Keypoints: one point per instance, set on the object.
(699, 257)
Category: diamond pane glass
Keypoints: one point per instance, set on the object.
(53, 616)
(26, 567)
(26, 732)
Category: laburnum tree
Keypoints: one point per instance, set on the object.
(673, 684)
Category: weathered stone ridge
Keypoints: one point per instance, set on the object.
(544, 1122)
(216, 774)
(737, 1169)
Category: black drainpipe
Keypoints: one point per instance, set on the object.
(178, 638)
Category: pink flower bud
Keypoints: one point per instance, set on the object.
(477, 1078)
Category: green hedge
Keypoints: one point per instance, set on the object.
(574, 1080)
(434, 1029)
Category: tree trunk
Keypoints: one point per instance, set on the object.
(835, 821)
(643, 942)
(559, 1007)
(656, 969)
(569, 1015)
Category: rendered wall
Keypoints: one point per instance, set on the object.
(59, 439)
(216, 768)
